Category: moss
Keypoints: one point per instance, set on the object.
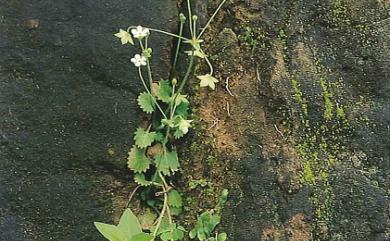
(298, 96)
(327, 96)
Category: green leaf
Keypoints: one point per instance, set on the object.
(174, 199)
(147, 102)
(140, 179)
(142, 237)
(111, 232)
(159, 137)
(176, 211)
(167, 162)
(222, 237)
(212, 223)
(129, 224)
(207, 80)
(178, 134)
(182, 110)
(137, 160)
(164, 91)
(144, 138)
(193, 233)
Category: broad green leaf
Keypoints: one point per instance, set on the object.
(137, 160)
(144, 138)
(111, 232)
(174, 199)
(164, 91)
(147, 102)
(207, 80)
(167, 162)
(142, 237)
(139, 178)
(222, 237)
(213, 222)
(129, 224)
(193, 233)
(125, 37)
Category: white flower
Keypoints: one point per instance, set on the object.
(184, 125)
(207, 80)
(124, 36)
(140, 32)
(138, 60)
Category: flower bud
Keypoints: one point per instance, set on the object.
(194, 17)
(174, 81)
(182, 18)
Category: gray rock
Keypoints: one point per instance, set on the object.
(68, 94)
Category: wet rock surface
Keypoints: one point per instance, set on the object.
(68, 108)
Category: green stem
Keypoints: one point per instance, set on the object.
(211, 19)
(210, 65)
(159, 220)
(190, 18)
(177, 47)
(187, 75)
(170, 34)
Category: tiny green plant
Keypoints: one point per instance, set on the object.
(154, 158)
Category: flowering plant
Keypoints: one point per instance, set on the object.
(154, 158)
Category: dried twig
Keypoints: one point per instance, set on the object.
(132, 195)
(227, 87)
(277, 129)
(228, 108)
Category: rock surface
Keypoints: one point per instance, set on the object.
(307, 130)
(68, 108)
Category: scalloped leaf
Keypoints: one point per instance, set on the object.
(182, 110)
(137, 160)
(178, 134)
(139, 178)
(164, 91)
(174, 199)
(167, 162)
(147, 102)
(144, 138)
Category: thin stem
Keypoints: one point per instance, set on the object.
(178, 47)
(211, 19)
(194, 28)
(161, 215)
(166, 189)
(168, 33)
(147, 62)
(190, 18)
(187, 75)
(210, 65)
(165, 206)
(154, 100)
